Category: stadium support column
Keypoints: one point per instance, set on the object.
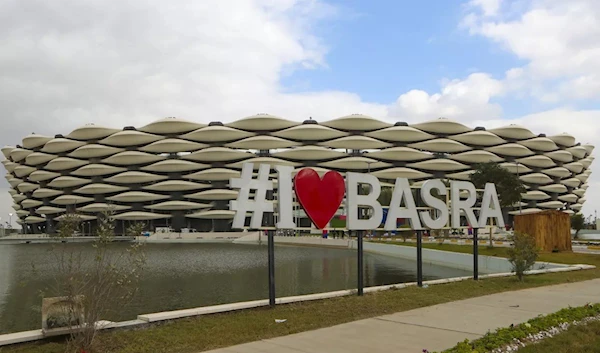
(221, 225)
(50, 225)
(178, 221)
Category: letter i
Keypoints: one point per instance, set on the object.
(284, 197)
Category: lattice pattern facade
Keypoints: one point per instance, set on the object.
(175, 172)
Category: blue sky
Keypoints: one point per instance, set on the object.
(381, 49)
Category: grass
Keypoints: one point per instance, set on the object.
(565, 258)
(227, 329)
(577, 339)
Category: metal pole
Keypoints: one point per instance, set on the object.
(419, 246)
(520, 199)
(475, 254)
(360, 281)
(419, 258)
(271, 250)
(369, 172)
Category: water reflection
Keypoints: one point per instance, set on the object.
(179, 276)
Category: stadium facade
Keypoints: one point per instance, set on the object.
(175, 173)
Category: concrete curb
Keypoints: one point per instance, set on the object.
(206, 310)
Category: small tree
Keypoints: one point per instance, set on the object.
(406, 232)
(508, 185)
(523, 254)
(385, 197)
(96, 285)
(439, 236)
(577, 223)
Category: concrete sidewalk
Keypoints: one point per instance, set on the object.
(433, 328)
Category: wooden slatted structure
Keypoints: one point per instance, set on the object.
(551, 229)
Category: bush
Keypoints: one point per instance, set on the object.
(105, 281)
(523, 254)
(440, 235)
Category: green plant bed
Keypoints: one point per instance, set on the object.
(504, 336)
(578, 339)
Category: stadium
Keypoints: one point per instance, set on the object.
(175, 173)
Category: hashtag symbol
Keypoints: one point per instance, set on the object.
(243, 204)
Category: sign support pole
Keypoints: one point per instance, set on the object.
(360, 283)
(475, 254)
(420, 258)
(271, 250)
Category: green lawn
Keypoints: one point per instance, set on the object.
(565, 258)
(220, 330)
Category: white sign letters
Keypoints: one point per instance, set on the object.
(435, 212)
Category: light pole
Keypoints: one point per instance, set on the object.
(360, 259)
(10, 220)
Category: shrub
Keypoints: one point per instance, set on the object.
(106, 281)
(441, 235)
(523, 254)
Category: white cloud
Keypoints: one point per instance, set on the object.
(137, 61)
(6, 209)
(488, 7)
(560, 40)
(466, 99)
(581, 87)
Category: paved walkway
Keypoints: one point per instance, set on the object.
(434, 328)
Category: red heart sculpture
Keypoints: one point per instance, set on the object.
(320, 198)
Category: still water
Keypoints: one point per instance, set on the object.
(180, 276)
